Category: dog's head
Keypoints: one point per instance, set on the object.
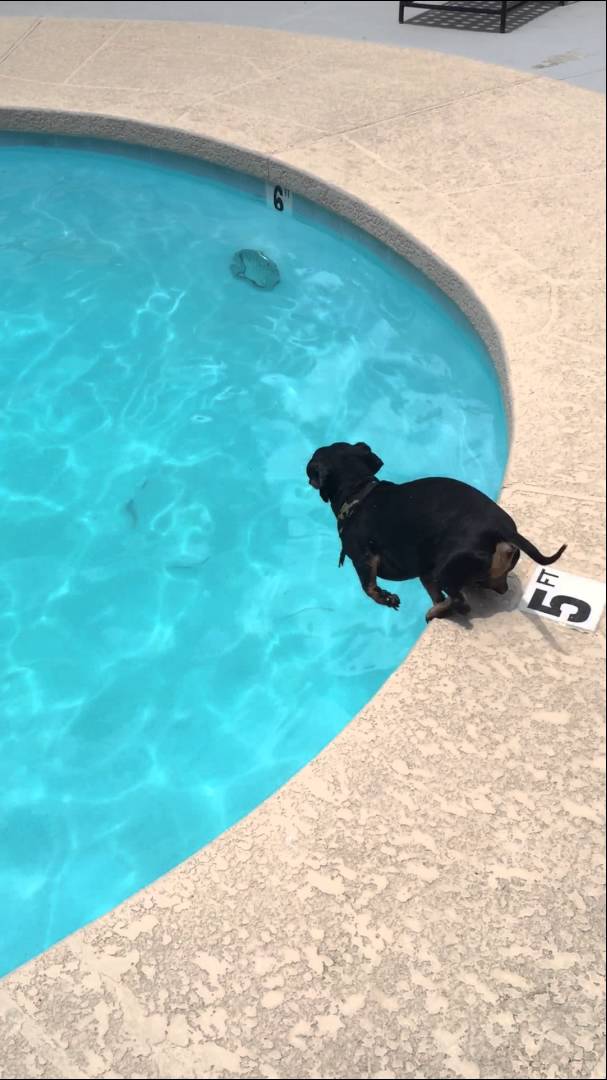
(341, 466)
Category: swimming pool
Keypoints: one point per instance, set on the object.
(176, 638)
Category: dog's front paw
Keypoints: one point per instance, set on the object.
(386, 599)
(390, 599)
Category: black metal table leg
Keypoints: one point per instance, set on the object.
(504, 9)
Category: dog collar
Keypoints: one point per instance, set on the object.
(346, 509)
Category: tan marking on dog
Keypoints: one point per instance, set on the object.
(372, 588)
(437, 611)
(501, 565)
(501, 562)
(380, 596)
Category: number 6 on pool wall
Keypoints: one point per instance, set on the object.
(278, 197)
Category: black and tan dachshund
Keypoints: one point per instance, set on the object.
(442, 531)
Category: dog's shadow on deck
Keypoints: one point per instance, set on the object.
(485, 604)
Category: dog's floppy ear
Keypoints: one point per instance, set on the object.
(375, 462)
(318, 475)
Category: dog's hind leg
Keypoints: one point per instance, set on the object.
(440, 610)
(441, 605)
(436, 595)
(451, 579)
(367, 573)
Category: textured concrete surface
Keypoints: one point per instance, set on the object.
(426, 898)
(557, 42)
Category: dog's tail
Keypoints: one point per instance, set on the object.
(533, 553)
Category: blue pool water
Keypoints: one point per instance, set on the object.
(176, 638)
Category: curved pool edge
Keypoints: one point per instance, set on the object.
(301, 938)
(301, 182)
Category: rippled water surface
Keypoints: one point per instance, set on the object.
(176, 639)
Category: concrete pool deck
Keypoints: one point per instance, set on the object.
(425, 899)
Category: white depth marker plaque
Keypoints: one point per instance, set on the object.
(279, 198)
(573, 601)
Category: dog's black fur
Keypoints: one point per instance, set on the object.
(442, 531)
